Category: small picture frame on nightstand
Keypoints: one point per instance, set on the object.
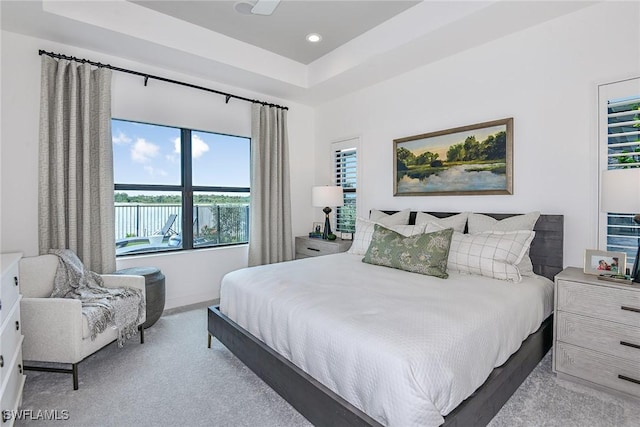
(604, 262)
(346, 236)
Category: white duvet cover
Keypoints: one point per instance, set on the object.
(404, 348)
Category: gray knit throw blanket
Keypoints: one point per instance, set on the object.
(123, 308)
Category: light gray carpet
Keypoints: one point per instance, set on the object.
(174, 379)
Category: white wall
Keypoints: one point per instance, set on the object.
(191, 276)
(544, 77)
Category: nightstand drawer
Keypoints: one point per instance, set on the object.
(607, 337)
(603, 302)
(600, 368)
(310, 247)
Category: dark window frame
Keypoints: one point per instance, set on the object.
(186, 189)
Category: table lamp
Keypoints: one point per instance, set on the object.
(620, 193)
(326, 196)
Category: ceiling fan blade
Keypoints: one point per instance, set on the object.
(265, 7)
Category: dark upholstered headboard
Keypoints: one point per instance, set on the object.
(546, 248)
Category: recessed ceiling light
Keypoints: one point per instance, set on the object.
(314, 37)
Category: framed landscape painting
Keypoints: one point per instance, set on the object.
(474, 160)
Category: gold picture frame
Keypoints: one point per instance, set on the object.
(468, 160)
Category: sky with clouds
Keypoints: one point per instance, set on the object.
(150, 154)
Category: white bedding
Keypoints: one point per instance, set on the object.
(403, 347)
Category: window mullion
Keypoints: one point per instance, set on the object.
(187, 192)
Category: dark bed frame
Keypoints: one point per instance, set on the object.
(323, 407)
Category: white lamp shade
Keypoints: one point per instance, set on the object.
(326, 195)
(620, 191)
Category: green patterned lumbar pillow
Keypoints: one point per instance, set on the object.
(422, 253)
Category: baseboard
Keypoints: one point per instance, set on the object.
(186, 300)
(194, 306)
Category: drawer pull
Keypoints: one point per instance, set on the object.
(20, 368)
(624, 307)
(314, 249)
(628, 344)
(631, 380)
(1, 361)
(15, 280)
(17, 325)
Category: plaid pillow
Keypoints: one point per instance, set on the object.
(479, 223)
(493, 254)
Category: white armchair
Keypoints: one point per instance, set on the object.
(54, 328)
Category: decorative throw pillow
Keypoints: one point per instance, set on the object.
(364, 231)
(457, 222)
(479, 223)
(423, 253)
(493, 254)
(398, 218)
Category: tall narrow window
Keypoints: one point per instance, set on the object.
(178, 188)
(620, 148)
(345, 161)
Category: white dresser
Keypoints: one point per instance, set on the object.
(11, 372)
(597, 331)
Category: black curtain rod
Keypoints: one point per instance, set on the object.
(151, 76)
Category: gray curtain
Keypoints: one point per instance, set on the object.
(270, 235)
(75, 191)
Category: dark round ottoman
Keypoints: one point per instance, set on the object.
(154, 290)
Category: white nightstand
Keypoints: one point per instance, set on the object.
(307, 247)
(597, 331)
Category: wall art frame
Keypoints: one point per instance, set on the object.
(469, 160)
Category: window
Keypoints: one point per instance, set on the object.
(345, 161)
(178, 188)
(620, 148)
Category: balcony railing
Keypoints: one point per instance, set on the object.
(213, 224)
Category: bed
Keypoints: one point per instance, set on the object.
(290, 313)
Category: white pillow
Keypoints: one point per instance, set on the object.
(493, 254)
(457, 222)
(364, 232)
(398, 218)
(479, 223)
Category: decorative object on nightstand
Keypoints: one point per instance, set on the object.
(597, 331)
(309, 247)
(620, 192)
(11, 368)
(316, 230)
(326, 196)
(604, 262)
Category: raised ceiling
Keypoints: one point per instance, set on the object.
(284, 31)
(249, 56)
